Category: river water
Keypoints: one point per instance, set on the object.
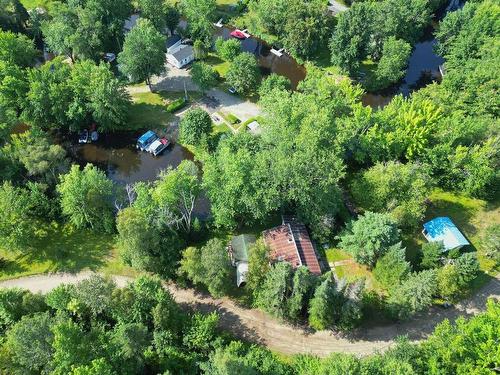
(116, 154)
(423, 65)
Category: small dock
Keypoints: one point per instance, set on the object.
(277, 52)
(219, 24)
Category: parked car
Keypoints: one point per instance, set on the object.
(109, 57)
(83, 137)
(215, 117)
(146, 140)
(232, 90)
(158, 146)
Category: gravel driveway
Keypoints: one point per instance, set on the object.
(256, 326)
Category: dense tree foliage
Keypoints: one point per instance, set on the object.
(200, 14)
(392, 65)
(144, 331)
(203, 75)
(392, 268)
(86, 198)
(398, 189)
(300, 26)
(228, 49)
(369, 237)
(336, 304)
(22, 209)
(383, 31)
(16, 49)
(195, 127)
(85, 29)
(143, 53)
(59, 95)
(243, 73)
(414, 294)
(209, 266)
(273, 81)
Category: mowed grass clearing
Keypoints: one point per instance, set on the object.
(150, 109)
(60, 248)
(471, 215)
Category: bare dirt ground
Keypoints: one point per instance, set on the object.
(256, 326)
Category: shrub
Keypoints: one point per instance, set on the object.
(176, 105)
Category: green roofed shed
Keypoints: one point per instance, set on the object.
(240, 245)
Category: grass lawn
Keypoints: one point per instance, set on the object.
(221, 66)
(149, 109)
(63, 249)
(334, 255)
(351, 270)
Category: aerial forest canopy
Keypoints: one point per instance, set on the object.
(94, 327)
(268, 129)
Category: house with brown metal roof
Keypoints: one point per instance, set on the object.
(290, 242)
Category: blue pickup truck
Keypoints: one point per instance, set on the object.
(146, 140)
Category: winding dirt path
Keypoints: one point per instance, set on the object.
(256, 326)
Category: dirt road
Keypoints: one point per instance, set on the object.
(256, 326)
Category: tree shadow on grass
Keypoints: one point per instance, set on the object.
(70, 250)
(144, 115)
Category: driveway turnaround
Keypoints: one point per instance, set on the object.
(256, 326)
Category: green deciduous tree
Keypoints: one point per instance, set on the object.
(369, 237)
(209, 266)
(155, 11)
(395, 188)
(447, 279)
(129, 342)
(392, 268)
(143, 52)
(473, 350)
(45, 160)
(243, 73)
(86, 198)
(203, 75)
(258, 266)
(228, 49)
(351, 37)
(29, 342)
(176, 193)
(272, 82)
(22, 211)
(392, 65)
(200, 14)
(201, 334)
(96, 367)
(301, 26)
(16, 49)
(85, 29)
(195, 125)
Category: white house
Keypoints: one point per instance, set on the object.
(180, 56)
(172, 43)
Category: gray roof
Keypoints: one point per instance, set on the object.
(172, 40)
(183, 52)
